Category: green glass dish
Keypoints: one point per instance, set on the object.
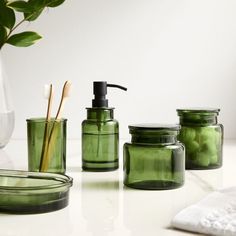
(35, 136)
(100, 140)
(154, 159)
(23, 192)
(202, 137)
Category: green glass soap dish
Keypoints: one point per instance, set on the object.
(23, 192)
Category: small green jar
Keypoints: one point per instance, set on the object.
(154, 159)
(202, 137)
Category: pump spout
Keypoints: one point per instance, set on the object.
(117, 86)
(100, 91)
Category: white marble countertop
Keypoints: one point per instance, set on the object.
(101, 205)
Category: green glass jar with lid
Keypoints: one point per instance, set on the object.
(154, 159)
(202, 137)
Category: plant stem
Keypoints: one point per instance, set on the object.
(16, 26)
(11, 30)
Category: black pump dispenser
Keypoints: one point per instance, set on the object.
(100, 92)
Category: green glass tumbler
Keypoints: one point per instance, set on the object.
(51, 149)
(202, 137)
(154, 159)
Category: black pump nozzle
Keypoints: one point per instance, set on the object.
(100, 92)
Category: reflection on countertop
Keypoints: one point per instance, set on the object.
(101, 205)
(100, 201)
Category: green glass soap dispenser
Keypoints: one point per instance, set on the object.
(100, 132)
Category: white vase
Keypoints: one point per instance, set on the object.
(7, 117)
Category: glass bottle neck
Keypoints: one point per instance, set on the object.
(101, 114)
(198, 119)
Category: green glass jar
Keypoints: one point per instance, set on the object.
(55, 153)
(100, 140)
(202, 137)
(154, 159)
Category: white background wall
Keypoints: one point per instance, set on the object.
(168, 53)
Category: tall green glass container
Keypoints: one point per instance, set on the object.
(100, 132)
(57, 145)
(154, 159)
(100, 140)
(202, 137)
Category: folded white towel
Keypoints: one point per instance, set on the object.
(214, 215)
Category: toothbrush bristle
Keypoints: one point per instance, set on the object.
(46, 91)
(67, 89)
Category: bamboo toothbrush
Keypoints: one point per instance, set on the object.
(65, 94)
(53, 134)
(48, 94)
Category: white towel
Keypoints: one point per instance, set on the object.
(214, 215)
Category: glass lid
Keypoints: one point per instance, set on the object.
(198, 110)
(154, 127)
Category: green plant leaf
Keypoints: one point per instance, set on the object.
(37, 7)
(23, 39)
(54, 3)
(20, 6)
(3, 35)
(33, 15)
(7, 15)
(37, 4)
(3, 3)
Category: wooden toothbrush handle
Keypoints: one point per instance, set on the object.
(46, 129)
